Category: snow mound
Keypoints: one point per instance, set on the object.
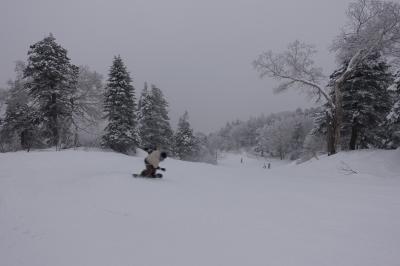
(378, 163)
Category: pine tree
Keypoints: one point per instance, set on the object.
(162, 119)
(120, 109)
(184, 140)
(145, 118)
(365, 104)
(154, 127)
(51, 81)
(393, 118)
(19, 123)
(204, 151)
(19, 128)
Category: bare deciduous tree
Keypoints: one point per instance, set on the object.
(372, 26)
(87, 102)
(294, 68)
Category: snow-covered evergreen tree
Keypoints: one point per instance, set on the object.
(366, 103)
(393, 118)
(19, 127)
(3, 99)
(120, 110)
(51, 81)
(185, 145)
(146, 126)
(223, 138)
(154, 126)
(205, 151)
(163, 120)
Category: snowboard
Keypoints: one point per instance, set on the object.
(138, 175)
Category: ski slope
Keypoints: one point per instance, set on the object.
(83, 208)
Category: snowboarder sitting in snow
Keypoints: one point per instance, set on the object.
(152, 162)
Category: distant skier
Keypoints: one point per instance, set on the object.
(265, 166)
(152, 162)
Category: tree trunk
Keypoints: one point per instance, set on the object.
(54, 120)
(353, 139)
(338, 116)
(330, 134)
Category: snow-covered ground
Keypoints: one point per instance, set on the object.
(84, 208)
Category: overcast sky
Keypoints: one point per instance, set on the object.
(199, 52)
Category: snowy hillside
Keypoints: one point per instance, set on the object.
(83, 208)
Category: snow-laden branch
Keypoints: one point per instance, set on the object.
(294, 68)
(373, 26)
(346, 169)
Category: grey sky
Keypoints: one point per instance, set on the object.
(198, 52)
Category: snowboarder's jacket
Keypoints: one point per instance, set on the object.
(154, 158)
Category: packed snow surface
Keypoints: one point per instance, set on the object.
(83, 208)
